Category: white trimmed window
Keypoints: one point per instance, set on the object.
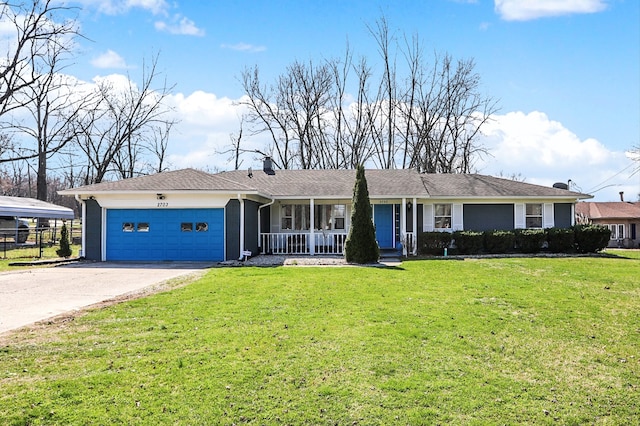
(295, 217)
(617, 231)
(338, 213)
(442, 216)
(533, 215)
(329, 216)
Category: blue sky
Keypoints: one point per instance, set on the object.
(566, 72)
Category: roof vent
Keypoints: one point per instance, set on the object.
(268, 166)
(560, 185)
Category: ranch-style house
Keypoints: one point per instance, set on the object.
(191, 215)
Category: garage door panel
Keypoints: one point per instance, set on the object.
(162, 237)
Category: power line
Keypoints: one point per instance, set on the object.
(608, 179)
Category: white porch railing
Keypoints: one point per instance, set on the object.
(409, 244)
(329, 243)
(298, 243)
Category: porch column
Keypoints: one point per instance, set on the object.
(403, 226)
(312, 219)
(415, 226)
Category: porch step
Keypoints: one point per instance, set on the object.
(387, 253)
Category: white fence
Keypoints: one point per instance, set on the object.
(298, 243)
(323, 243)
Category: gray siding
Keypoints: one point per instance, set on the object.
(562, 215)
(93, 229)
(251, 226)
(232, 230)
(487, 217)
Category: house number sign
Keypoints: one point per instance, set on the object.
(163, 204)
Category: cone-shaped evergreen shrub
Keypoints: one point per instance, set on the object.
(65, 248)
(361, 245)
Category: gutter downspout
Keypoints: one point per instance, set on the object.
(83, 215)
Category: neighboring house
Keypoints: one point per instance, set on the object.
(193, 215)
(622, 218)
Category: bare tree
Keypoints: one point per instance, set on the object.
(384, 130)
(442, 113)
(55, 102)
(236, 149)
(429, 119)
(351, 131)
(31, 83)
(125, 128)
(36, 31)
(267, 114)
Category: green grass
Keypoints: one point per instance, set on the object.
(491, 341)
(28, 254)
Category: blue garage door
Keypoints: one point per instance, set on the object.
(167, 234)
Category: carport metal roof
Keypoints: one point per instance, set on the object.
(30, 207)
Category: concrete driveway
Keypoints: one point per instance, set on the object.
(31, 295)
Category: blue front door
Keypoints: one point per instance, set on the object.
(165, 234)
(383, 220)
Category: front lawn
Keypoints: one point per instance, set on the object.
(490, 341)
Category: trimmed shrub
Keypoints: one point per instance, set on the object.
(65, 248)
(561, 240)
(468, 242)
(433, 242)
(499, 241)
(591, 238)
(361, 245)
(530, 240)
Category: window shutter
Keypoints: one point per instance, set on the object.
(427, 218)
(457, 219)
(548, 220)
(519, 221)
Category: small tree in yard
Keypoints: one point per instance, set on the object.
(65, 248)
(361, 245)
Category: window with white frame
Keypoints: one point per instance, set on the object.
(617, 231)
(329, 216)
(533, 215)
(338, 213)
(295, 217)
(442, 216)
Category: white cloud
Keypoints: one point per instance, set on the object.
(115, 81)
(202, 134)
(525, 10)
(244, 47)
(180, 26)
(109, 59)
(543, 151)
(117, 7)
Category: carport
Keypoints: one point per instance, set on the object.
(22, 207)
(32, 208)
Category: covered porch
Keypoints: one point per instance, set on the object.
(320, 227)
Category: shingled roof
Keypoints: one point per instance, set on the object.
(609, 210)
(443, 185)
(331, 184)
(178, 180)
